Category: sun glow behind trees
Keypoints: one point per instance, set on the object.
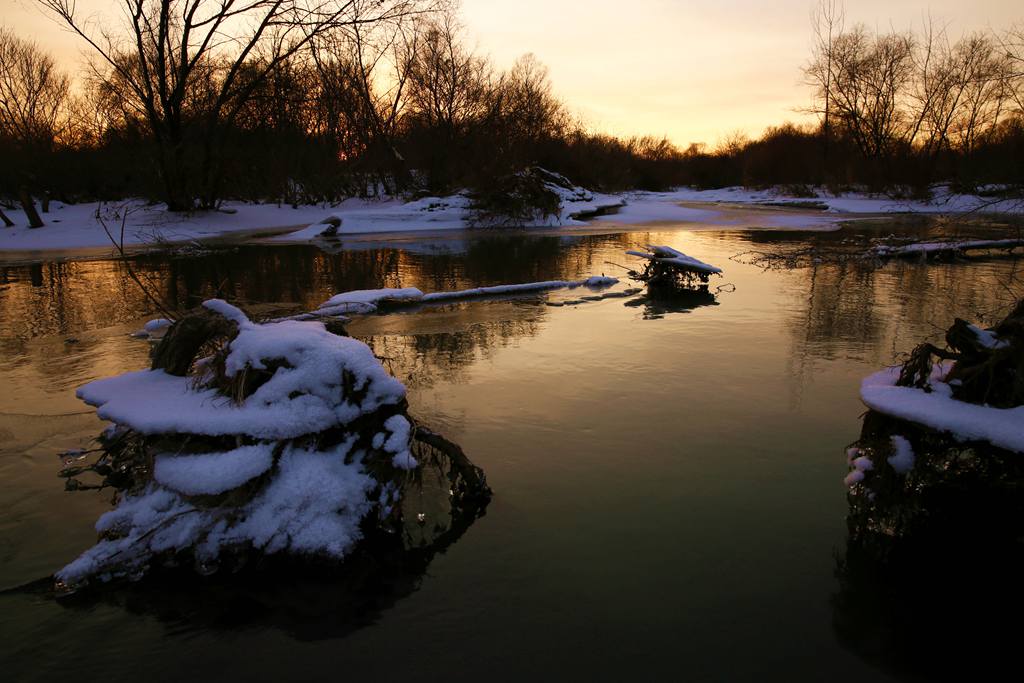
(692, 71)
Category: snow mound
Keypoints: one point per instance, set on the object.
(313, 506)
(312, 373)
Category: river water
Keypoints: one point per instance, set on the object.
(667, 474)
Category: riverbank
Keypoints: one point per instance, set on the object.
(86, 226)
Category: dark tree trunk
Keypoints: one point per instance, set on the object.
(34, 221)
(8, 223)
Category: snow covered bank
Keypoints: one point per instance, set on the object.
(1001, 427)
(943, 201)
(76, 226)
(288, 439)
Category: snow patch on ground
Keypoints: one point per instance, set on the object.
(902, 459)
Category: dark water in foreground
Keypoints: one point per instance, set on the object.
(667, 475)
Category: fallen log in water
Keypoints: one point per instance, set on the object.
(943, 249)
(363, 301)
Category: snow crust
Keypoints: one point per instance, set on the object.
(1001, 427)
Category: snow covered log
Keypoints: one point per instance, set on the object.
(274, 438)
(373, 300)
(666, 266)
(943, 249)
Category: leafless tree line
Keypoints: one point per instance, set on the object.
(893, 92)
(191, 101)
(224, 93)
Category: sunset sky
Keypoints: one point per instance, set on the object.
(694, 71)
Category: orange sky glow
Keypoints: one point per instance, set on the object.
(692, 71)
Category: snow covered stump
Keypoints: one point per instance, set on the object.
(277, 438)
(943, 440)
(934, 551)
(667, 267)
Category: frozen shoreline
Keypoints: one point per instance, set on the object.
(72, 227)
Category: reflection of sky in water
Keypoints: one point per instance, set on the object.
(667, 476)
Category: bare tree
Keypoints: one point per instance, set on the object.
(827, 20)
(33, 95)
(190, 66)
(1011, 44)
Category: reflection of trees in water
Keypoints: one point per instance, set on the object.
(71, 298)
(873, 314)
(63, 297)
(420, 359)
(657, 302)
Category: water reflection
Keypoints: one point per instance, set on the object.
(744, 491)
(657, 303)
(304, 601)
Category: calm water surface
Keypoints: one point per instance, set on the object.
(667, 474)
